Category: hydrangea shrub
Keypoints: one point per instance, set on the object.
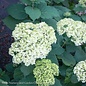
(49, 45)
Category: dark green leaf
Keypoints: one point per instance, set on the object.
(48, 11)
(79, 8)
(71, 48)
(75, 17)
(63, 70)
(68, 59)
(57, 83)
(80, 55)
(12, 22)
(62, 9)
(69, 73)
(52, 57)
(57, 18)
(71, 84)
(58, 1)
(28, 81)
(27, 70)
(58, 50)
(84, 84)
(83, 17)
(18, 74)
(0, 70)
(34, 13)
(9, 67)
(17, 11)
(5, 77)
(59, 39)
(74, 79)
(66, 3)
(51, 22)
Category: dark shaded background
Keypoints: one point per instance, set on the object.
(5, 34)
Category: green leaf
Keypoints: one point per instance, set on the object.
(84, 84)
(75, 17)
(80, 55)
(79, 8)
(58, 1)
(83, 17)
(71, 48)
(9, 67)
(58, 50)
(34, 13)
(59, 39)
(69, 73)
(58, 18)
(66, 3)
(5, 77)
(63, 70)
(52, 57)
(51, 22)
(68, 59)
(28, 2)
(12, 22)
(17, 11)
(28, 81)
(71, 84)
(0, 70)
(18, 74)
(74, 79)
(48, 12)
(27, 70)
(41, 1)
(57, 83)
(62, 9)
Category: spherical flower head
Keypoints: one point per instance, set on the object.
(63, 25)
(32, 41)
(80, 71)
(83, 3)
(75, 30)
(45, 71)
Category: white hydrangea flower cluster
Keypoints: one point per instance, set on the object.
(82, 2)
(80, 71)
(32, 41)
(75, 30)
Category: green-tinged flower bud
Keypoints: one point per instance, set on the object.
(67, 14)
(45, 71)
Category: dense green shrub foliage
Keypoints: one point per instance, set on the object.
(67, 54)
